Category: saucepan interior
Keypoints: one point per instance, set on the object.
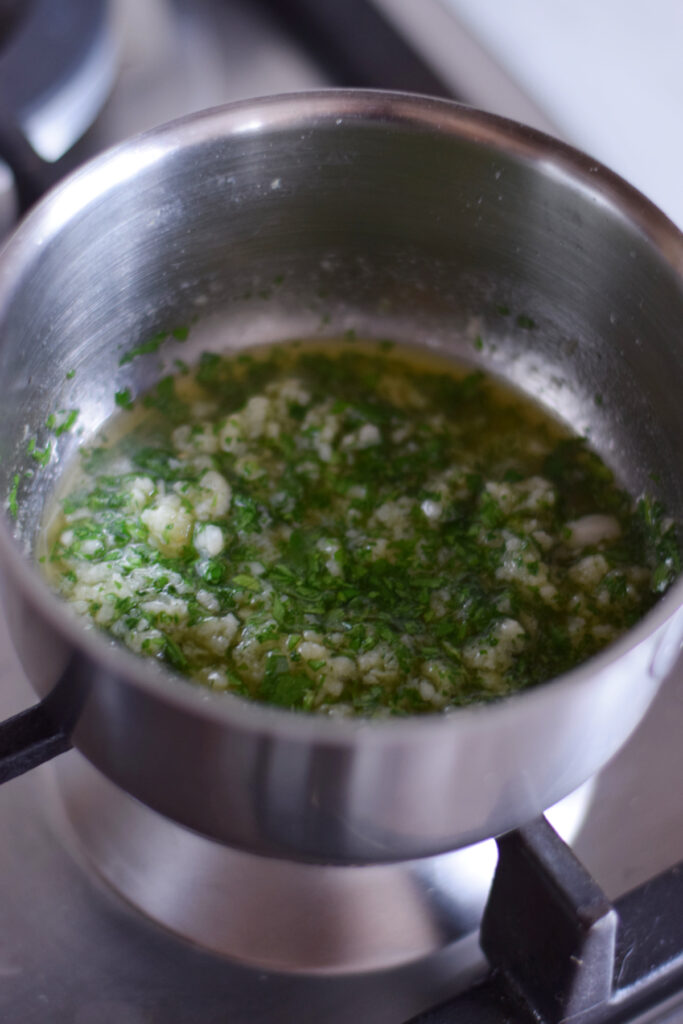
(308, 216)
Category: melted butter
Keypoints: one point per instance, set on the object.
(350, 529)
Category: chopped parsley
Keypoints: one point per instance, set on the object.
(152, 344)
(12, 500)
(62, 421)
(41, 455)
(123, 398)
(527, 323)
(352, 529)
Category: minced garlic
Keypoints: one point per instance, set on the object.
(354, 532)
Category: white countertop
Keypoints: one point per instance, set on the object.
(607, 74)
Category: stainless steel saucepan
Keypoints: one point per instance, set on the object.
(397, 216)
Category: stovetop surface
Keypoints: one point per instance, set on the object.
(70, 949)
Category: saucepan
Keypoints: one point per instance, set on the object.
(308, 215)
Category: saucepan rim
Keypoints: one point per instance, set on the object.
(306, 110)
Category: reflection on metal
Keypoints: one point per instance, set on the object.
(56, 73)
(286, 916)
(75, 196)
(53, 126)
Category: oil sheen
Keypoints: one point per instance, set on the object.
(352, 529)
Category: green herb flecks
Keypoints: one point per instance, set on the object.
(154, 343)
(41, 455)
(148, 347)
(123, 398)
(62, 421)
(349, 530)
(12, 499)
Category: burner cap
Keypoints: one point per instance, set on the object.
(57, 70)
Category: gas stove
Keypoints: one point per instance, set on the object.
(111, 914)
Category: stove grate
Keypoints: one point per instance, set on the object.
(560, 951)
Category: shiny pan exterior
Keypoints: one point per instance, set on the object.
(307, 215)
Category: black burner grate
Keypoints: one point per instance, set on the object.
(560, 951)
